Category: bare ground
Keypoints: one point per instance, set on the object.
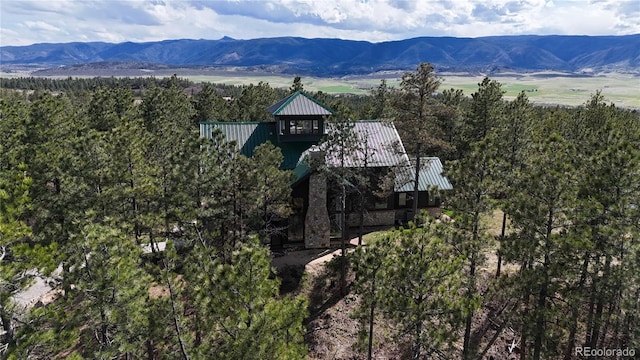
(333, 330)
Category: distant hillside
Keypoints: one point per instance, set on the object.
(330, 57)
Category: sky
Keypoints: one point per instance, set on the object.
(25, 22)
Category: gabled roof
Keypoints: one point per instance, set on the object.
(299, 103)
(430, 177)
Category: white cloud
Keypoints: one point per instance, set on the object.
(29, 21)
(40, 26)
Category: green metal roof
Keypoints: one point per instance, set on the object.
(249, 135)
(299, 103)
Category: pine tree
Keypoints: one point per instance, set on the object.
(209, 105)
(297, 85)
(609, 183)
(253, 102)
(110, 290)
(52, 157)
(340, 144)
(369, 264)
(272, 189)
(239, 316)
(542, 204)
(512, 135)
(381, 102)
(473, 182)
(14, 249)
(485, 112)
(423, 271)
(172, 150)
(416, 110)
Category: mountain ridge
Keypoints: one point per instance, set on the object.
(331, 57)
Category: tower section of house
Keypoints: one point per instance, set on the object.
(300, 123)
(299, 118)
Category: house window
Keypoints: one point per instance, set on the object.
(380, 203)
(402, 199)
(304, 127)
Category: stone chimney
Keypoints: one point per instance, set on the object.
(316, 222)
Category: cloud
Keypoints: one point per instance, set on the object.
(30, 21)
(40, 26)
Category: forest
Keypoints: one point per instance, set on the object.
(154, 237)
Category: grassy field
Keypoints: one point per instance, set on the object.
(542, 88)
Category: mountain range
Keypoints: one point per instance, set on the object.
(335, 57)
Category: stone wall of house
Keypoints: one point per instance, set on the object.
(317, 227)
(374, 218)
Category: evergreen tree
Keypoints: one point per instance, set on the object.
(253, 102)
(54, 133)
(473, 180)
(297, 85)
(542, 205)
(14, 117)
(14, 249)
(416, 110)
(109, 294)
(107, 105)
(421, 272)
(380, 102)
(239, 316)
(512, 136)
(485, 112)
(369, 264)
(272, 189)
(340, 144)
(608, 186)
(209, 105)
(173, 144)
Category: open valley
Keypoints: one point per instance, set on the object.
(542, 88)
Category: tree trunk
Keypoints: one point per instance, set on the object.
(592, 299)
(575, 308)
(416, 182)
(104, 336)
(174, 312)
(371, 317)
(6, 326)
(361, 218)
(542, 296)
(418, 341)
(597, 323)
(499, 252)
(467, 348)
(150, 350)
(540, 316)
(343, 242)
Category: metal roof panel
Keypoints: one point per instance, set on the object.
(380, 146)
(430, 176)
(299, 103)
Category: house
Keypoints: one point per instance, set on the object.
(300, 123)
